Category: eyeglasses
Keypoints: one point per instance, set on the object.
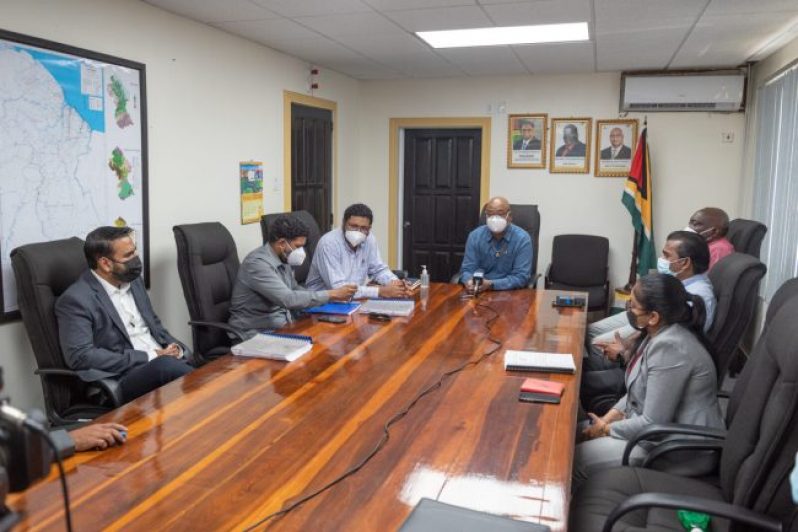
(362, 228)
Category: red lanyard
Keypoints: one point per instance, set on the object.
(635, 358)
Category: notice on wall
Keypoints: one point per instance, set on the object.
(251, 178)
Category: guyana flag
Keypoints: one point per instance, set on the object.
(637, 198)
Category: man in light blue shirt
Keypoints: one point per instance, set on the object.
(500, 249)
(350, 256)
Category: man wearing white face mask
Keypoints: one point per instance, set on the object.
(265, 291)
(350, 256)
(499, 248)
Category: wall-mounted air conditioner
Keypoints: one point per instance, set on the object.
(718, 91)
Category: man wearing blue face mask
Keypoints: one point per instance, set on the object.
(500, 249)
(350, 256)
(265, 291)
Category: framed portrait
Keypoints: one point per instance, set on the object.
(615, 146)
(570, 145)
(526, 140)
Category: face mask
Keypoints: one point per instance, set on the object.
(497, 224)
(703, 234)
(689, 229)
(664, 266)
(794, 482)
(130, 272)
(296, 256)
(355, 238)
(632, 317)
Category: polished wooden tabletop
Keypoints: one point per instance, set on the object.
(240, 438)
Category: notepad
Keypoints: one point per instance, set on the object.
(343, 309)
(287, 347)
(540, 391)
(538, 361)
(429, 515)
(391, 307)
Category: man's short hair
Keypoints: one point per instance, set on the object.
(100, 243)
(288, 227)
(527, 123)
(359, 209)
(694, 247)
(571, 127)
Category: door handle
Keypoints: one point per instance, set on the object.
(407, 225)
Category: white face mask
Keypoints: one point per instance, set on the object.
(496, 223)
(355, 238)
(296, 256)
(690, 229)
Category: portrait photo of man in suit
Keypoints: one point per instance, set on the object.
(572, 146)
(617, 149)
(615, 146)
(526, 141)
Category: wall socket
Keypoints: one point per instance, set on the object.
(727, 137)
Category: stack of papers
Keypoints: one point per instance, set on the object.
(537, 361)
(540, 391)
(274, 346)
(391, 307)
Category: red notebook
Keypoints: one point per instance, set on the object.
(541, 391)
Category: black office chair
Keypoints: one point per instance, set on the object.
(314, 234)
(207, 261)
(527, 217)
(43, 272)
(746, 236)
(581, 263)
(735, 280)
(757, 454)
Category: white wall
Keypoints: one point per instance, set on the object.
(213, 100)
(691, 167)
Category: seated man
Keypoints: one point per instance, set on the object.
(350, 256)
(712, 224)
(500, 249)
(265, 291)
(686, 257)
(106, 323)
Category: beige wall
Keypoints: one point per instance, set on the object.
(691, 167)
(213, 100)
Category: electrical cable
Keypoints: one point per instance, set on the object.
(392, 421)
(64, 489)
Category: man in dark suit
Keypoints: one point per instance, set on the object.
(106, 323)
(528, 141)
(617, 149)
(573, 147)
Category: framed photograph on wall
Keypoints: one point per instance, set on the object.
(570, 145)
(526, 140)
(615, 146)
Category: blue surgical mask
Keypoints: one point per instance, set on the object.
(664, 265)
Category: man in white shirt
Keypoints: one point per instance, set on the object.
(350, 256)
(106, 323)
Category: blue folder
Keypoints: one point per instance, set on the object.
(334, 308)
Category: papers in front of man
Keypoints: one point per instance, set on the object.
(538, 361)
(391, 307)
(287, 347)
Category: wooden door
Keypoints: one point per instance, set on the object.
(441, 198)
(311, 163)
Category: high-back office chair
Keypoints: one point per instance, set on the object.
(746, 236)
(207, 261)
(314, 234)
(735, 280)
(43, 272)
(757, 454)
(581, 263)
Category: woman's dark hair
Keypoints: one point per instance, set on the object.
(99, 243)
(358, 209)
(288, 227)
(693, 247)
(666, 295)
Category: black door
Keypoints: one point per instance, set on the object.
(311, 163)
(441, 198)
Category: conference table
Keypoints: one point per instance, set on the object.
(240, 438)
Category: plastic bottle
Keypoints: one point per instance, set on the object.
(424, 283)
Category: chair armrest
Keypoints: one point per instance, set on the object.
(112, 388)
(218, 325)
(738, 514)
(681, 445)
(547, 278)
(455, 278)
(57, 372)
(659, 429)
(533, 283)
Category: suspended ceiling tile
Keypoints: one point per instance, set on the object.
(486, 61)
(269, 31)
(731, 7)
(306, 8)
(444, 18)
(556, 58)
(539, 12)
(378, 45)
(625, 51)
(400, 5)
(351, 24)
(622, 16)
(213, 10)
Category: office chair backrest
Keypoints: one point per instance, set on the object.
(735, 280)
(43, 272)
(759, 449)
(579, 260)
(207, 261)
(527, 217)
(314, 234)
(746, 236)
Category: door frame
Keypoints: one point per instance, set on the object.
(396, 129)
(289, 98)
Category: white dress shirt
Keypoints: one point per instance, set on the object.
(136, 327)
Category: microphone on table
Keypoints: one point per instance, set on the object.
(478, 278)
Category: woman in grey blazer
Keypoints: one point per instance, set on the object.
(670, 376)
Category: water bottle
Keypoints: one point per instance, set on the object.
(424, 283)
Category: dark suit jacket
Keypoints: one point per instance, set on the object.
(624, 153)
(94, 339)
(534, 144)
(578, 151)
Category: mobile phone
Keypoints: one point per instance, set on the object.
(412, 282)
(379, 317)
(332, 319)
(568, 301)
